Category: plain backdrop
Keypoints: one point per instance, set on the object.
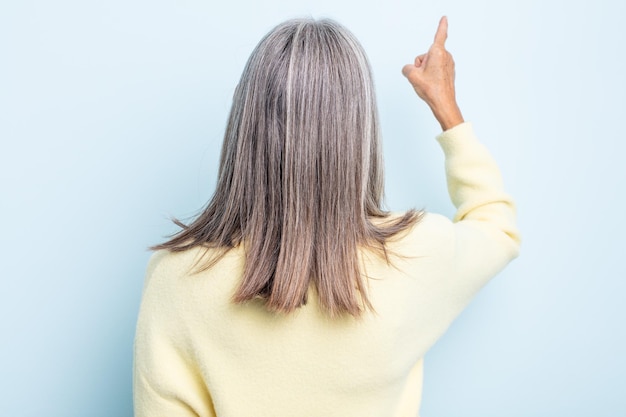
(111, 120)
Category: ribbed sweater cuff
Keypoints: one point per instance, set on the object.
(457, 137)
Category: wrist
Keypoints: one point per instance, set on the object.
(448, 116)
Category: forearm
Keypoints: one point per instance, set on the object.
(474, 181)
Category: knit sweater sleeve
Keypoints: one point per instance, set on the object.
(482, 237)
(447, 261)
(474, 181)
(476, 189)
(166, 382)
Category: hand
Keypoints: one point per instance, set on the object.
(432, 77)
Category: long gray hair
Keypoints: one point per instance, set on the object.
(301, 173)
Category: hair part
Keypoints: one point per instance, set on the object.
(301, 173)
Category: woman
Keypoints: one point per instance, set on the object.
(293, 293)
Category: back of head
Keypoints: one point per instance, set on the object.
(301, 171)
(306, 98)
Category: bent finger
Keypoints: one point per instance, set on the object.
(420, 60)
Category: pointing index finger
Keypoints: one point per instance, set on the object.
(442, 31)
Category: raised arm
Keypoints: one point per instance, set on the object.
(474, 180)
(482, 238)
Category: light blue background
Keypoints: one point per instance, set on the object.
(111, 119)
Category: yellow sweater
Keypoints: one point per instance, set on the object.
(197, 354)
